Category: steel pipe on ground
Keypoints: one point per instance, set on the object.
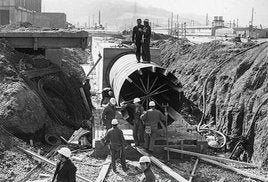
(148, 81)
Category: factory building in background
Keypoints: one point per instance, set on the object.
(16, 11)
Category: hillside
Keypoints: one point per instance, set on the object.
(116, 13)
(234, 92)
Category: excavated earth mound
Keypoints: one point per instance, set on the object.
(38, 97)
(234, 91)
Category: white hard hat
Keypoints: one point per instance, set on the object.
(65, 152)
(114, 122)
(144, 159)
(113, 101)
(213, 143)
(136, 100)
(151, 103)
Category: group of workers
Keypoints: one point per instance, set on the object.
(141, 37)
(145, 125)
(66, 170)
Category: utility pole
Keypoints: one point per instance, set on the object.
(177, 27)
(251, 23)
(237, 22)
(89, 21)
(184, 29)
(93, 21)
(252, 17)
(168, 25)
(207, 20)
(171, 24)
(99, 18)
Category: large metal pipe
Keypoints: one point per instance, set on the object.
(149, 81)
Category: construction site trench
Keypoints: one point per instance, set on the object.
(40, 101)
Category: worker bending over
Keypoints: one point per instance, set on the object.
(138, 129)
(146, 56)
(108, 113)
(115, 138)
(151, 118)
(137, 38)
(145, 164)
(65, 169)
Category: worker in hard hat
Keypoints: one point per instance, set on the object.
(109, 113)
(137, 38)
(106, 94)
(138, 129)
(65, 169)
(151, 118)
(145, 164)
(146, 56)
(115, 139)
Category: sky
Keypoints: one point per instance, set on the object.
(229, 9)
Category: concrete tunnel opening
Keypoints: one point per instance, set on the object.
(149, 82)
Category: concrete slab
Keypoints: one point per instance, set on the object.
(46, 39)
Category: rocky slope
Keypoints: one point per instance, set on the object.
(234, 91)
(38, 97)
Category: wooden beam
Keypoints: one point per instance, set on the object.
(193, 171)
(46, 160)
(210, 157)
(85, 99)
(104, 170)
(238, 171)
(162, 166)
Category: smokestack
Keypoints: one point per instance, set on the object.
(99, 18)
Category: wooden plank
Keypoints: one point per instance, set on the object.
(238, 171)
(210, 157)
(193, 171)
(82, 92)
(47, 161)
(104, 169)
(162, 166)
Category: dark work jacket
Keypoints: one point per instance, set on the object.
(137, 35)
(149, 176)
(108, 114)
(138, 112)
(115, 138)
(152, 117)
(65, 172)
(147, 32)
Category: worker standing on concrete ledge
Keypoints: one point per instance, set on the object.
(151, 118)
(109, 113)
(145, 164)
(138, 129)
(65, 169)
(137, 38)
(115, 138)
(146, 56)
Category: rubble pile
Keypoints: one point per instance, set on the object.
(14, 165)
(35, 102)
(234, 91)
(77, 55)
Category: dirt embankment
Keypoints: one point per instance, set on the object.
(234, 92)
(38, 97)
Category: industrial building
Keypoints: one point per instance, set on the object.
(15, 11)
